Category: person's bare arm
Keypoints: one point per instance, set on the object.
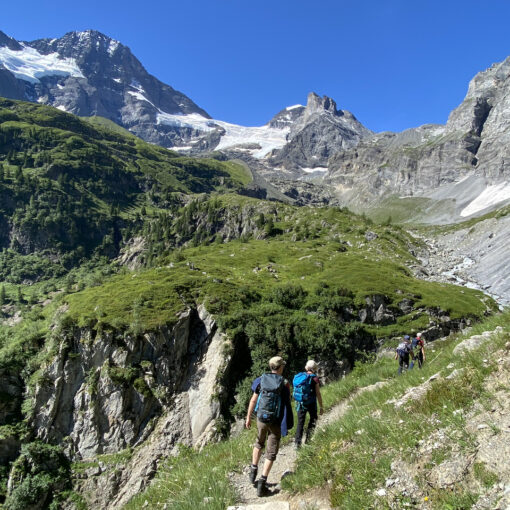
(251, 407)
(319, 397)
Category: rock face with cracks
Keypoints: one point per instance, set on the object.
(106, 394)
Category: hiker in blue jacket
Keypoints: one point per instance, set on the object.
(403, 353)
(306, 394)
(271, 401)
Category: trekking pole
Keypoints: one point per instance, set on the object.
(434, 358)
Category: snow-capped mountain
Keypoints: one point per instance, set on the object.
(88, 73)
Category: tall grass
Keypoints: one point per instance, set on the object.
(354, 455)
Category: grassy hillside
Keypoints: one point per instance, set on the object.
(351, 460)
(300, 298)
(72, 189)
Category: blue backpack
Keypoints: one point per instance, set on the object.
(269, 402)
(303, 390)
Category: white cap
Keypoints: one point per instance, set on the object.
(276, 362)
(311, 365)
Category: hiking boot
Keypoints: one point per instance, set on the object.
(261, 487)
(253, 474)
(297, 446)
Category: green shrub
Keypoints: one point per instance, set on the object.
(38, 474)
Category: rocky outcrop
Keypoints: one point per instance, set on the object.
(475, 341)
(105, 393)
(485, 112)
(102, 392)
(306, 193)
(376, 311)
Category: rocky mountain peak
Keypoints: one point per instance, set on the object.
(318, 131)
(317, 104)
(82, 46)
(88, 73)
(9, 42)
(485, 90)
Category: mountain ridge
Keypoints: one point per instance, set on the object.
(92, 74)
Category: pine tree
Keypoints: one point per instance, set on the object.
(3, 296)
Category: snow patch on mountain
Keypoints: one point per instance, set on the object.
(265, 137)
(112, 47)
(139, 96)
(192, 120)
(30, 65)
(492, 195)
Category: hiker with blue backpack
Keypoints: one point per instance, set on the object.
(271, 402)
(306, 394)
(403, 352)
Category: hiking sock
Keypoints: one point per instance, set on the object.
(253, 473)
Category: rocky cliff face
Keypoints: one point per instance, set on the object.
(103, 393)
(485, 112)
(463, 162)
(317, 133)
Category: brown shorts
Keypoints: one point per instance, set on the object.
(273, 434)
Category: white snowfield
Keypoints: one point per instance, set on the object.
(30, 65)
(266, 137)
(492, 195)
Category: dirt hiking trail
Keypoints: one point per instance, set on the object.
(284, 465)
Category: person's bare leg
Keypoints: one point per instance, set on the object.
(268, 464)
(257, 452)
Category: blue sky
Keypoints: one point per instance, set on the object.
(394, 64)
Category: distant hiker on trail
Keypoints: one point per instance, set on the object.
(403, 352)
(418, 347)
(271, 402)
(306, 394)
